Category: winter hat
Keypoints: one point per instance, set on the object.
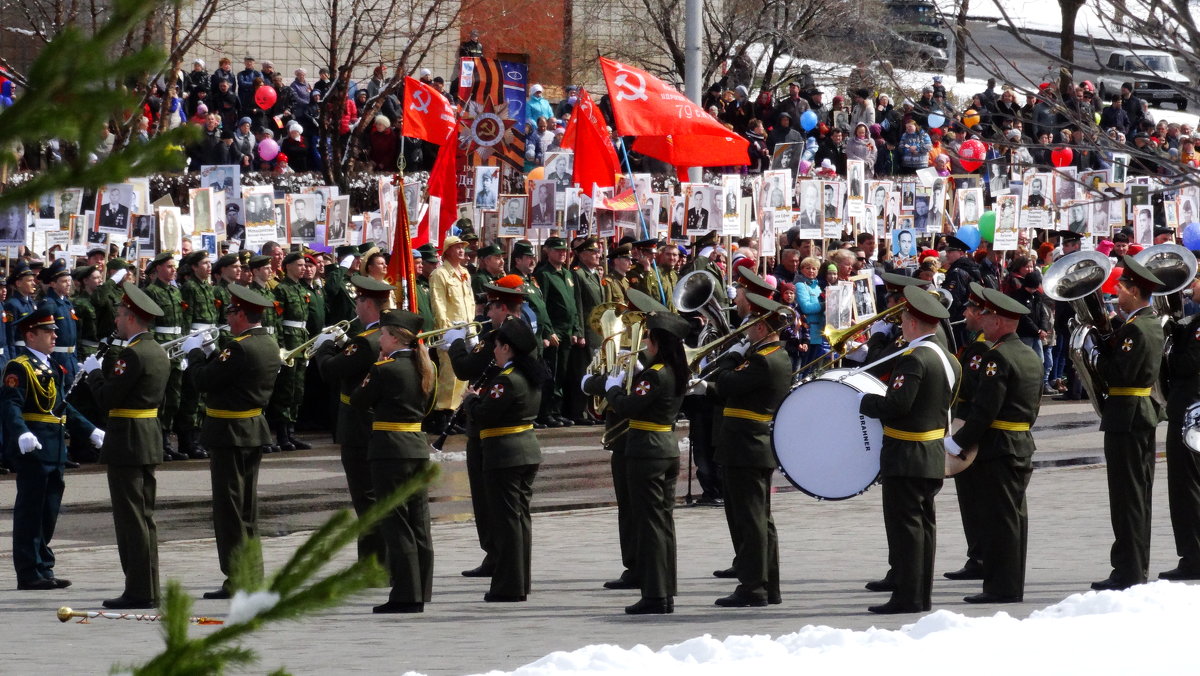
(198, 62)
(741, 90)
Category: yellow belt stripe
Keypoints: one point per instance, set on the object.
(902, 435)
(1009, 426)
(1129, 391)
(396, 426)
(503, 431)
(234, 415)
(44, 417)
(133, 413)
(649, 426)
(344, 398)
(747, 415)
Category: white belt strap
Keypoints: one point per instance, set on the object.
(270, 330)
(65, 349)
(293, 324)
(202, 327)
(167, 329)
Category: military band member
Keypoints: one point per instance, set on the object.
(596, 385)
(35, 415)
(505, 297)
(168, 327)
(1128, 364)
(652, 456)
(293, 299)
(237, 381)
(914, 413)
(200, 313)
(1181, 382)
(1007, 396)
(752, 386)
(616, 282)
(504, 411)
(970, 363)
(129, 390)
(346, 368)
(396, 393)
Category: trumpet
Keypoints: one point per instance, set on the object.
(438, 344)
(697, 355)
(174, 347)
(308, 348)
(339, 334)
(838, 339)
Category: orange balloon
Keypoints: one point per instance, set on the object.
(535, 174)
(970, 118)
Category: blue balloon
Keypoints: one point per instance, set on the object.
(970, 236)
(1191, 236)
(808, 120)
(936, 120)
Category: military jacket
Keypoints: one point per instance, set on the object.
(32, 401)
(294, 299)
(656, 283)
(339, 300)
(130, 389)
(317, 310)
(970, 362)
(171, 324)
(650, 409)
(614, 285)
(85, 312)
(15, 308)
(222, 298)
(751, 392)
(347, 368)
(424, 306)
(199, 304)
(106, 299)
(271, 316)
(1008, 395)
(68, 332)
(534, 309)
(588, 294)
(1129, 364)
(914, 412)
(478, 279)
(392, 391)
(1181, 366)
(238, 381)
(558, 289)
(504, 415)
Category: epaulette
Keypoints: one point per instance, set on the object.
(384, 361)
(506, 371)
(657, 367)
(768, 350)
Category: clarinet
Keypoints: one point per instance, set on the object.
(459, 413)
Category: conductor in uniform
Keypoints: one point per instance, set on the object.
(1004, 407)
(130, 388)
(237, 382)
(914, 412)
(1128, 363)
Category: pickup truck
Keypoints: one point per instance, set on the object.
(1144, 62)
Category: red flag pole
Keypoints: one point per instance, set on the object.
(400, 266)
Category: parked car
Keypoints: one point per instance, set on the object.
(1141, 63)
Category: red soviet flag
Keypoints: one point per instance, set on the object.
(427, 114)
(667, 124)
(596, 160)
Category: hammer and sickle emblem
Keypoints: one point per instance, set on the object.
(421, 101)
(627, 90)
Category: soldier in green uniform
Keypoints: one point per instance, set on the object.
(558, 289)
(317, 402)
(1007, 397)
(595, 385)
(346, 368)
(534, 311)
(167, 327)
(475, 364)
(1181, 383)
(428, 263)
(503, 411)
(237, 381)
(130, 389)
(970, 362)
(87, 282)
(616, 282)
(261, 281)
(752, 386)
(914, 413)
(701, 261)
(646, 274)
(589, 292)
(228, 270)
(395, 395)
(35, 415)
(339, 296)
(293, 298)
(652, 456)
(200, 313)
(667, 258)
(1128, 364)
(108, 296)
(491, 268)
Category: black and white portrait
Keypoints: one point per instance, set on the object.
(487, 187)
(13, 222)
(302, 217)
(542, 211)
(114, 208)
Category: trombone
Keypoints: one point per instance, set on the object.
(838, 338)
(437, 344)
(308, 348)
(697, 355)
(174, 347)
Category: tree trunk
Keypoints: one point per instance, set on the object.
(960, 42)
(1069, 9)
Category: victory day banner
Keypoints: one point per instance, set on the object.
(491, 127)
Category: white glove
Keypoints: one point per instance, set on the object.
(472, 340)
(90, 364)
(192, 343)
(731, 291)
(347, 262)
(324, 338)
(97, 437)
(880, 326)
(583, 381)
(952, 447)
(615, 380)
(119, 276)
(454, 335)
(740, 348)
(698, 387)
(28, 443)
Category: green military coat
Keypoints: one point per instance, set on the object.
(171, 324)
(391, 390)
(1008, 395)
(130, 390)
(558, 290)
(650, 408)
(1129, 365)
(752, 392)
(504, 416)
(970, 362)
(238, 381)
(347, 368)
(588, 294)
(87, 325)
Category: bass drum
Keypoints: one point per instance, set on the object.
(824, 446)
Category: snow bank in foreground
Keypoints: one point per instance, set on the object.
(1145, 630)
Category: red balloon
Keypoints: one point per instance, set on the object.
(265, 96)
(1061, 157)
(1110, 284)
(971, 154)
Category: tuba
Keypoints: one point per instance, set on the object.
(699, 291)
(1076, 278)
(605, 320)
(1175, 265)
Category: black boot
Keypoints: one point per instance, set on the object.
(189, 447)
(297, 443)
(281, 437)
(169, 453)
